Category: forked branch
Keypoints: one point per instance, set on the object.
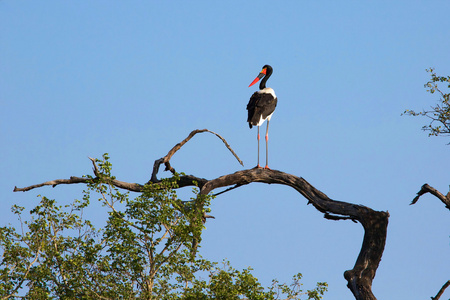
(166, 159)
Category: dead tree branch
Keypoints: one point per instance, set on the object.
(165, 160)
(133, 187)
(53, 183)
(374, 222)
(428, 189)
(441, 291)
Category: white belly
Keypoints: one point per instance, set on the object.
(261, 120)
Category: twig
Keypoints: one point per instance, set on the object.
(94, 168)
(228, 189)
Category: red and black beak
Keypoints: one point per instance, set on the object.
(260, 75)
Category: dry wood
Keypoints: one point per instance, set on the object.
(165, 160)
(441, 291)
(429, 189)
(133, 187)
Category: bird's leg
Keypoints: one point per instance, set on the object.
(267, 146)
(258, 166)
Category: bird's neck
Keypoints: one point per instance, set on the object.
(262, 84)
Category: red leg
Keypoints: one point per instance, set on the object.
(267, 146)
(258, 166)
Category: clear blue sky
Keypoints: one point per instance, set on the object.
(80, 78)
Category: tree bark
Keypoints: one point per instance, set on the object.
(375, 223)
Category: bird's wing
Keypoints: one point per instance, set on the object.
(261, 105)
(266, 105)
(251, 106)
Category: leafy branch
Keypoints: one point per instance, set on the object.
(440, 112)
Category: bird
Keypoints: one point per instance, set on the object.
(261, 106)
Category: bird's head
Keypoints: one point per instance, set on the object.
(266, 70)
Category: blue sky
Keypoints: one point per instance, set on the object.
(132, 79)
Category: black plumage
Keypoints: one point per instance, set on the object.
(260, 106)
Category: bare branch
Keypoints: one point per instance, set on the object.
(53, 183)
(227, 190)
(165, 160)
(428, 189)
(441, 291)
(133, 187)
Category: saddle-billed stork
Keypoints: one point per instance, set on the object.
(261, 107)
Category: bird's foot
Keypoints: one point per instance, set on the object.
(258, 167)
(267, 167)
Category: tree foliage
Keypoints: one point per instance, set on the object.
(440, 112)
(147, 249)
